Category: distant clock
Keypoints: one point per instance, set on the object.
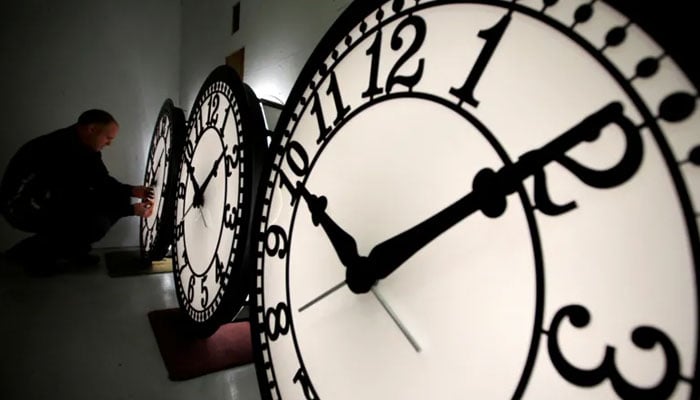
(162, 167)
(218, 177)
(481, 199)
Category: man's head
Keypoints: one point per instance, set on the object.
(97, 129)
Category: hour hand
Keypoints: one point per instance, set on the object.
(358, 273)
(344, 244)
(212, 173)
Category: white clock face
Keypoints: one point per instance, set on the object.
(210, 198)
(482, 200)
(156, 230)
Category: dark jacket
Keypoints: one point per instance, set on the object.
(57, 175)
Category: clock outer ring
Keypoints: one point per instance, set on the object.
(253, 130)
(354, 14)
(164, 231)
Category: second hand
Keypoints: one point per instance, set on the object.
(321, 296)
(381, 300)
(396, 320)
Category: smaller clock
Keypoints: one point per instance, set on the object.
(218, 179)
(161, 173)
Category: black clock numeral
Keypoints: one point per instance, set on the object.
(277, 321)
(340, 109)
(200, 123)
(494, 187)
(218, 269)
(230, 216)
(232, 160)
(190, 289)
(589, 130)
(179, 231)
(181, 190)
(229, 110)
(297, 159)
(298, 162)
(185, 261)
(374, 52)
(301, 378)
(278, 247)
(204, 292)
(492, 36)
(316, 110)
(213, 111)
(644, 337)
(189, 151)
(409, 81)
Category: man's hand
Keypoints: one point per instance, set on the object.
(144, 209)
(142, 192)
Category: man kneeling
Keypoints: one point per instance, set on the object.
(57, 187)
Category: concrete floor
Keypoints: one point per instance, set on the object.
(84, 335)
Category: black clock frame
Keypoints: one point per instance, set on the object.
(164, 223)
(236, 289)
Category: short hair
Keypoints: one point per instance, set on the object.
(95, 116)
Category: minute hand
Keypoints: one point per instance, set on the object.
(490, 188)
(213, 172)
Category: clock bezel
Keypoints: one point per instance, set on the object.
(163, 223)
(235, 284)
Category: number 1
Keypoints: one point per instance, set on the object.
(492, 36)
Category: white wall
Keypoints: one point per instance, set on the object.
(278, 36)
(59, 58)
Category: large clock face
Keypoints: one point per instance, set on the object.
(221, 156)
(161, 173)
(481, 199)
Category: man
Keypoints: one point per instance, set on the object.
(57, 187)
